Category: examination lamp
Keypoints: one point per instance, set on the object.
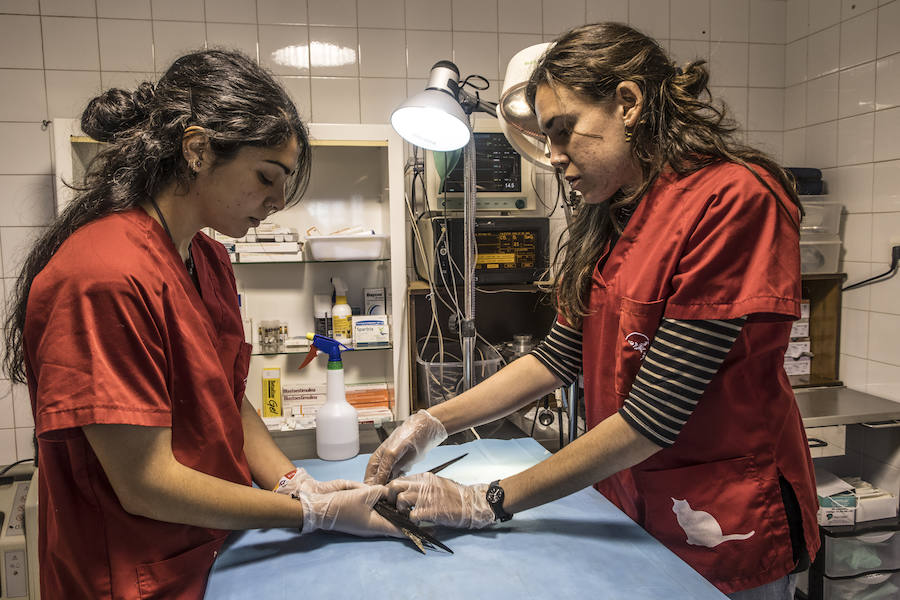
(433, 119)
(437, 119)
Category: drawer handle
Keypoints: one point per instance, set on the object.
(882, 424)
(817, 443)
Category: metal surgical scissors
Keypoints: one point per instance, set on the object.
(421, 538)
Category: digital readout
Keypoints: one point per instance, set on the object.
(506, 249)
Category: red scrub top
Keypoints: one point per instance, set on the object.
(116, 332)
(712, 245)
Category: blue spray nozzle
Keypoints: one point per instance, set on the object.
(331, 347)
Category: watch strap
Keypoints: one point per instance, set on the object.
(495, 497)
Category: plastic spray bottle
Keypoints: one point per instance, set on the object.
(341, 313)
(337, 423)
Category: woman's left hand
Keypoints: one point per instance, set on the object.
(299, 481)
(442, 501)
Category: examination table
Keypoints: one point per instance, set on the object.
(578, 546)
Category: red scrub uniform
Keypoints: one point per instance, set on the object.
(116, 332)
(712, 245)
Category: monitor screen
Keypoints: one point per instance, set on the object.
(506, 250)
(498, 167)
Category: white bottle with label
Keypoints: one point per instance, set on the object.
(341, 314)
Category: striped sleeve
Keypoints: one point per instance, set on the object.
(560, 352)
(681, 361)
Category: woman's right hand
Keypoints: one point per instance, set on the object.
(408, 444)
(348, 511)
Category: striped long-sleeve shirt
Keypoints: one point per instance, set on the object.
(681, 361)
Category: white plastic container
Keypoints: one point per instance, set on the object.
(337, 422)
(344, 247)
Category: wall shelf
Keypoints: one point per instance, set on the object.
(303, 262)
(302, 350)
(357, 179)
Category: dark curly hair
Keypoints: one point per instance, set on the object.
(236, 102)
(680, 128)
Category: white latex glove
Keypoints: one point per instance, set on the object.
(442, 501)
(299, 480)
(408, 444)
(349, 511)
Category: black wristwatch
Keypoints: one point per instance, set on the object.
(494, 497)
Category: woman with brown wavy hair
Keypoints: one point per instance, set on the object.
(675, 292)
(125, 325)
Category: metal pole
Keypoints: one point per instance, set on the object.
(573, 410)
(468, 323)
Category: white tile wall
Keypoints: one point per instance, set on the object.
(822, 99)
(230, 11)
(689, 20)
(858, 40)
(522, 16)
(179, 10)
(610, 10)
(856, 93)
(171, 39)
(561, 15)
(887, 93)
(855, 139)
(861, 47)
(126, 45)
(814, 81)
(728, 21)
(124, 9)
(22, 96)
(20, 42)
(886, 187)
(387, 14)
(768, 21)
(239, 36)
(766, 65)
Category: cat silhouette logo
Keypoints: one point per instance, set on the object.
(701, 528)
(639, 342)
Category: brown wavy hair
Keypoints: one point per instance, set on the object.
(237, 103)
(680, 127)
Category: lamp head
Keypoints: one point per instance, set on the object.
(517, 121)
(433, 119)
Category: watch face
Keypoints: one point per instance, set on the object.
(495, 495)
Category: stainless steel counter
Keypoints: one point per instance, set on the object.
(818, 406)
(843, 406)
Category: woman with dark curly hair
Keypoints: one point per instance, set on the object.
(675, 292)
(125, 325)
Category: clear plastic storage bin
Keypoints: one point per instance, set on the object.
(822, 217)
(874, 586)
(441, 380)
(878, 551)
(820, 256)
(344, 247)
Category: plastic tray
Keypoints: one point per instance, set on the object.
(344, 247)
